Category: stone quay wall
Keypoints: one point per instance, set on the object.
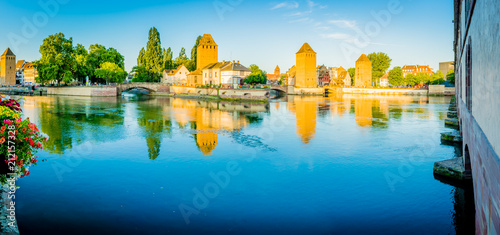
(417, 92)
(223, 93)
(83, 91)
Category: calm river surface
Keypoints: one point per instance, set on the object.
(307, 165)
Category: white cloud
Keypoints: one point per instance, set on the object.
(289, 5)
(322, 28)
(305, 19)
(311, 4)
(340, 36)
(344, 23)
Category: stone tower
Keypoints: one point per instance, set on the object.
(207, 52)
(8, 68)
(363, 74)
(277, 70)
(306, 67)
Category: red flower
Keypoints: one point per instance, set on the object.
(2, 140)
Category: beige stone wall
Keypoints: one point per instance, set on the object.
(307, 91)
(384, 91)
(223, 93)
(436, 89)
(83, 91)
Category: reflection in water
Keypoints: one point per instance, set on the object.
(69, 122)
(351, 140)
(305, 108)
(73, 121)
(464, 211)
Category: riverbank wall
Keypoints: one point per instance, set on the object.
(104, 91)
(434, 90)
(228, 94)
(240, 94)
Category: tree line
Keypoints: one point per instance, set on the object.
(63, 62)
(381, 63)
(154, 59)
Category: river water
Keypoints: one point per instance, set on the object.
(298, 165)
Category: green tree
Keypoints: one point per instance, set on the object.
(423, 78)
(140, 58)
(194, 55)
(182, 59)
(257, 76)
(80, 67)
(153, 57)
(380, 64)
(168, 58)
(141, 74)
(411, 79)
(352, 73)
(396, 77)
(450, 76)
(437, 78)
(98, 55)
(56, 64)
(111, 72)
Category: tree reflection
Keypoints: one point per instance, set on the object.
(69, 122)
(154, 124)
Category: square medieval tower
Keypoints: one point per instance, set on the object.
(306, 67)
(8, 68)
(207, 52)
(363, 74)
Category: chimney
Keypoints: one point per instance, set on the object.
(238, 61)
(223, 61)
(233, 61)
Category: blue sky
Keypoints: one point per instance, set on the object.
(266, 33)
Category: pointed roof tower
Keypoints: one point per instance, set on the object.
(207, 40)
(8, 52)
(363, 57)
(306, 49)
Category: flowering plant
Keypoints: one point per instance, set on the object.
(19, 141)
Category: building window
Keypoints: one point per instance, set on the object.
(468, 77)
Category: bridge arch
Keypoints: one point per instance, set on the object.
(467, 162)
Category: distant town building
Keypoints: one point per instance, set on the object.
(323, 75)
(416, 69)
(384, 80)
(274, 78)
(363, 75)
(195, 78)
(290, 76)
(306, 67)
(234, 73)
(20, 71)
(30, 73)
(225, 73)
(176, 76)
(8, 68)
(445, 67)
(207, 52)
(340, 77)
(212, 73)
(477, 60)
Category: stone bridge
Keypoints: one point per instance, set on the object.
(280, 88)
(150, 86)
